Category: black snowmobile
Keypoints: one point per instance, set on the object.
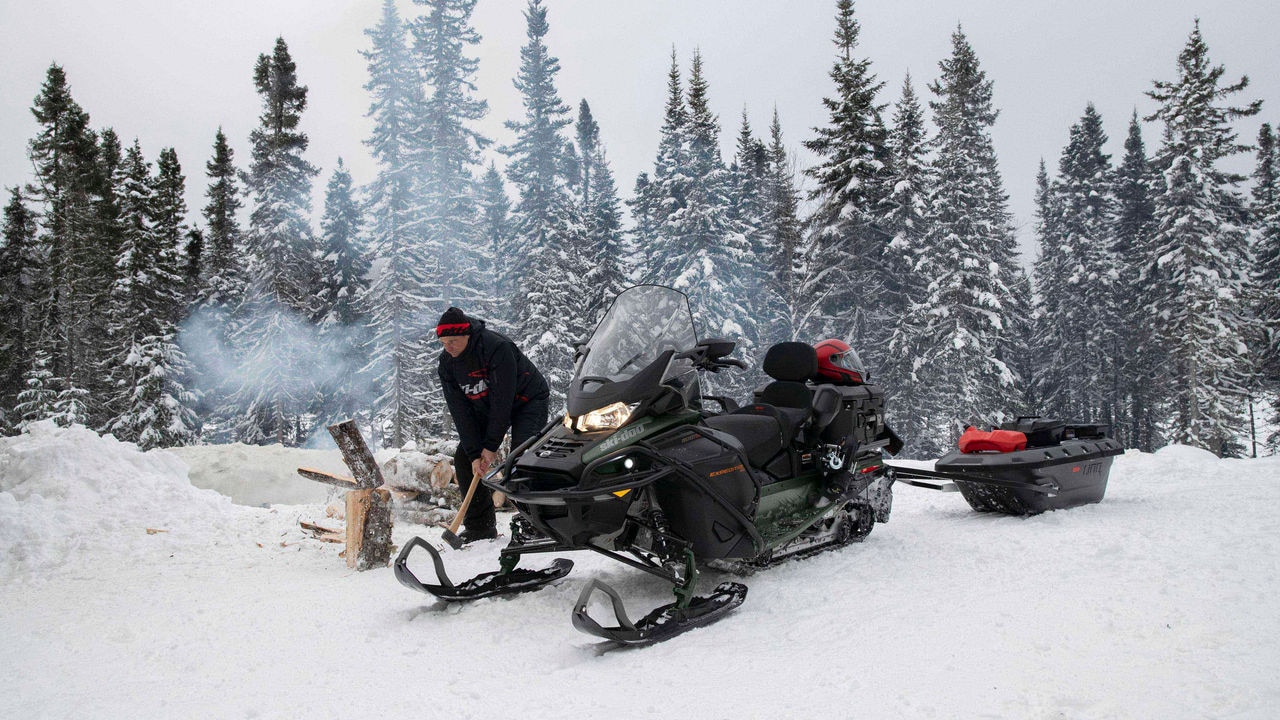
(643, 471)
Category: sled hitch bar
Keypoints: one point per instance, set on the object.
(920, 477)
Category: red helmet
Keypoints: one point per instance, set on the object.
(838, 363)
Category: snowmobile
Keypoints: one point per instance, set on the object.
(1024, 467)
(646, 470)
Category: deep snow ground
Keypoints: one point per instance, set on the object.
(1160, 602)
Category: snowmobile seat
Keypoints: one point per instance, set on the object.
(761, 435)
(781, 410)
(787, 398)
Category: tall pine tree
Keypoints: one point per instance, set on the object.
(447, 154)
(64, 155)
(282, 272)
(342, 391)
(400, 288)
(907, 205)
(1266, 222)
(1078, 334)
(845, 242)
(21, 275)
(548, 231)
(1138, 356)
(1201, 255)
(963, 334)
(783, 235)
(602, 216)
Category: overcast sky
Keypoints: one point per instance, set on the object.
(170, 72)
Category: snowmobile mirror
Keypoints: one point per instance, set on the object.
(716, 348)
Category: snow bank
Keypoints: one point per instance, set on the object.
(64, 490)
(261, 475)
(1162, 601)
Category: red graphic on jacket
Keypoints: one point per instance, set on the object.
(478, 385)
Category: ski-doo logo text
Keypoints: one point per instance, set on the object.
(478, 389)
(621, 436)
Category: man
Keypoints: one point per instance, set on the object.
(490, 387)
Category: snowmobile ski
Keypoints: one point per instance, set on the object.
(664, 622)
(508, 581)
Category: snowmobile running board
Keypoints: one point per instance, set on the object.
(664, 622)
(508, 582)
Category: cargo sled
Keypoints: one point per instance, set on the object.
(1024, 467)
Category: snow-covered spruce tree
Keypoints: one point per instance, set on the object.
(134, 290)
(206, 337)
(961, 336)
(169, 210)
(587, 137)
(399, 303)
(708, 256)
(193, 267)
(64, 156)
(151, 404)
(495, 233)
(39, 394)
(21, 272)
(845, 245)
(602, 216)
(282, 271)
(342, 391)
(904, 218)
(663, 195)
(1201, 260)
(1139, 358)
(1266, 243)
(548, 230)
(1077, 335)
(103, 351)
(1042, 383)
(447, 154)
(785, 268)
(160, 411)
(748, 175)
(223, 267)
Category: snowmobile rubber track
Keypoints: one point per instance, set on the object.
(518, 580)
(664, 622)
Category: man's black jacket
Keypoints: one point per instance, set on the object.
(484, 385)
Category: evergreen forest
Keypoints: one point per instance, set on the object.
(1152, 305)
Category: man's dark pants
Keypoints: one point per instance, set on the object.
(526, 420)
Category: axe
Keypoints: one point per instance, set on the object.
(450, 535)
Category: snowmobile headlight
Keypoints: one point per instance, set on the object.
(609, 417)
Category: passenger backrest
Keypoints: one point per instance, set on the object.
(790, 364)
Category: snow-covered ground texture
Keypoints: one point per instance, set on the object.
(1163, 601)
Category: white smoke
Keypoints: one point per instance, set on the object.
(286, 354)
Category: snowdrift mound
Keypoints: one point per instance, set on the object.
(257, 476)
(63, 490)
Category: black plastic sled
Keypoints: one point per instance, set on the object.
(1024, 468)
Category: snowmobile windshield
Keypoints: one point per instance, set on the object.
(643, 322)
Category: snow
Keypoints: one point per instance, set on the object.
(1161, 601)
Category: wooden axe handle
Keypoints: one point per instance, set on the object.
(462, 510)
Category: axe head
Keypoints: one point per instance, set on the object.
(454, 541)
